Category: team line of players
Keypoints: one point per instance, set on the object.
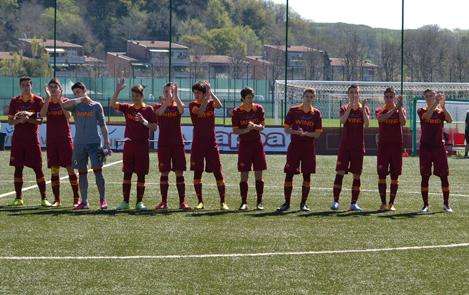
(303, 122)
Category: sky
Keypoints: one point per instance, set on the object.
(449, 14)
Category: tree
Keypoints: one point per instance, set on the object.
(390, 57)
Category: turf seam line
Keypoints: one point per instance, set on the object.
(48, 182)
(235, 255)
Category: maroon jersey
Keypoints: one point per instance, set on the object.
(353, 135)
(135, 130)
(58, 128)
(310, 121)
(390, 130)
(432, 129)
(170, 126)
(204, 126)
(241, 118)
(26, 131)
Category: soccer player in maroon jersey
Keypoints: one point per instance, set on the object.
(59, 140)
(391, 117)
(248, 122)
(140, 120)
(304, 123)
(432, 150)
(354, 116)
(204, 146)
(25, 149)
(171, 156)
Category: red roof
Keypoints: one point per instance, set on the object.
(50, 43)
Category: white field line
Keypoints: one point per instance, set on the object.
(234, 255)
(48, 182)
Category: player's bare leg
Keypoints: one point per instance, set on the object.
(83, 184)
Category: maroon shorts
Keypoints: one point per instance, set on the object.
(436, 157)
(171, 158)
(205, 155)
(389, 160)
(59, 154)
(26, 154)
(301, 153)
(136, 158)
(251, 156)
(350, 160)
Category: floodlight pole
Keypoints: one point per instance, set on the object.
(55, 38)
(286, 59)
(170, 38)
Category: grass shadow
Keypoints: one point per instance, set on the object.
(408, 215)
(214, 213)
(322, 213)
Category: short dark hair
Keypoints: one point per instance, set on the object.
(390, 90)
(309, 90)
(79, 85)
(246, 91)
(353, 86)
(199, 86)
(55, 81)
(169, 84)
(25, 78)
(427, 90)
(139, 88)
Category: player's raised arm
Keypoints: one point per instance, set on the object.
(45, 106)
(115, 98)
(366, 114)
(216, 101)
(441, 99)
(179, 103)
(345, 114)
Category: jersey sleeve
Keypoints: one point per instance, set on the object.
(235, 121)
(122, 107)
(378, 112)
(420, 112)
(152, 116)
(342, 110)
(289, 119)
(12, 109)
(261, 114)
(100, 114)
(193, 109)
